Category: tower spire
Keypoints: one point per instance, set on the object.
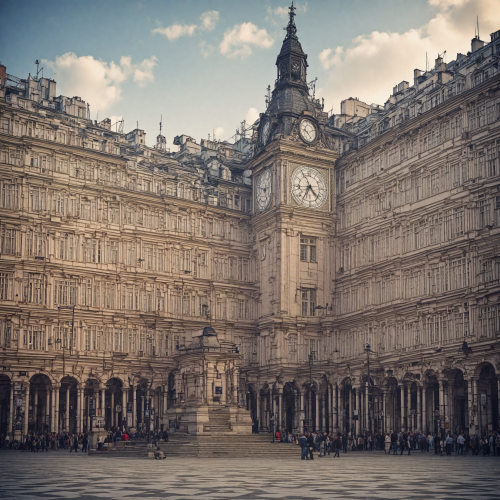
(291, 29)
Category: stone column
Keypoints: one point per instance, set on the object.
(112, 417)
(11, 411)
(125, 403)
(424, 408)
(82, 406)
(67, 409)
(52, 409)
(358, 389)
(367, 407)
(257, 410)
(165, 400)
(35, 411)
(103, 401)
(134, 406)
(56, 408)
(419, 408)
(26, 408)
(384, 412)
(78, 410)
(280, 411)
(322, 404)
(301, 411)
(316, 399)
(402, 390)
(351, 412)
(409, 416)
(441, 402)
(335, 422)
(142, 409)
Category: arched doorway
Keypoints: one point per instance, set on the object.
(68, 404)
(290, 422)
(4, 403)
(39, 406)
(459, 409)
(487, 399)
(114, 407)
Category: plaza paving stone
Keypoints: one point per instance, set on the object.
(61, 475)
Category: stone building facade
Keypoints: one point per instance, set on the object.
(347, 263)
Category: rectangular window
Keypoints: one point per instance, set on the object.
(64, 292)
(8, 241)
(308, 249)
(308, 301)
(6, 286)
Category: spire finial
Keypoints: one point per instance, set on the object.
(291, 29)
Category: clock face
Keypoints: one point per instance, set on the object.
(308, 187)
(264, 188)
(265, 132)
(295, 67)
(307, 130)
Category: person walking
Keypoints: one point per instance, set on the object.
(310, 445)
(460, 443)
(449, 444)
(303, 447)
(344, 443)
(387, 445)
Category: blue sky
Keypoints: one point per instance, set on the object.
(208, 63)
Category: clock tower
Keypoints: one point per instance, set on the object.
(294, 213)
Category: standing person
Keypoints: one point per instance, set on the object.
(85, 442)
(460, 443)
(394, 442)
(310, 445)
(337, 443)
(303, 447)
(423, 442)
(449, 444)
(387, 445)
(344, 443)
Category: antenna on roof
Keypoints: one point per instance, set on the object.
(426, 63)
(478, 37)
(161, 119)
(268, 95)
(243, 130)
(37, 62)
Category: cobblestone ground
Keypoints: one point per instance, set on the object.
(61, 475)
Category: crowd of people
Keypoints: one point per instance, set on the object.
(73, 442)
(393, 442)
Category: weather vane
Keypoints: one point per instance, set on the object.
(291, 29)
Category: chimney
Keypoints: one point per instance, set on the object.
(416, 74)
(476, 44)
(439, 65)
(3, 74)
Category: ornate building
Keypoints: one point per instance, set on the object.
(348, 264)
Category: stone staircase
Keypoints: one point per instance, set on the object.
(219, 421)
(227, 445)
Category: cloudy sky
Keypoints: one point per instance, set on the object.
(205, 65)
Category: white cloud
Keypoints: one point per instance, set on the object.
(176, 30)
(239, 40)
(98, 82)
(252, 115)
(208, 21)
(206, 49)
(218, 133)
(372, 64)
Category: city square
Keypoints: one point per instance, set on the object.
(370, 475)
(327, 276)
